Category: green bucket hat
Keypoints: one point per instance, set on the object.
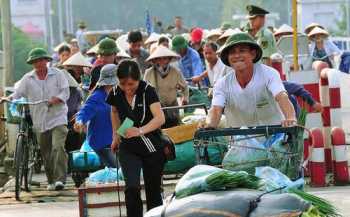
(37, 53)
(107, 47)
(236, 39)
(179, 42)
(82, 24)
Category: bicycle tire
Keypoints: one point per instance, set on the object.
(28, 165)
(19, 165)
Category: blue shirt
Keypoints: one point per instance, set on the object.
(191, 64)
(97, 113)
(296, 90)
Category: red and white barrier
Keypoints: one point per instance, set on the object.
(277, 63)
(317, 159)
(341, 171)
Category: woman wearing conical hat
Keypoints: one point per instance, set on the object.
(283, 30)
(74, 70)
(168, 81)
(321, 48)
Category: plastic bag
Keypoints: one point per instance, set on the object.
(273, 179)
(106, 175)
(193, 182)
(86, 147)
(86, 157)
(13, 106)
(186, 158)
(246, 154)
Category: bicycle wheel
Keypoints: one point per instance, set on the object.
(29, 165)
(19, 164)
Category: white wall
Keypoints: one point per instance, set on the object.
(324, 12)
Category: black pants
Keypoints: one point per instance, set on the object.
(152, 166)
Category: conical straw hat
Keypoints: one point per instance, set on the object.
(162, 51)
(318, 30)
(93, 50)
(123, 54)
(77, 60)
(214, 32)
(309, 28)
(60, 45)
(229, 32)
(152, 38)
(284, 29)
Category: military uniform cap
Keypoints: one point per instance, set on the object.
(254, 11)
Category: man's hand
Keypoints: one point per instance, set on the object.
(4, 99)
(115, 144)
(196, 79)
(317, 107)
(289, 122)
(184, 101)
(54, 101)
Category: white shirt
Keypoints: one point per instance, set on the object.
(253, 105)
(330, 48)
(218, 71)
(44, 117)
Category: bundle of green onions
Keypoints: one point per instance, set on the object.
(224, 179)
(325, 208)
(302, 117)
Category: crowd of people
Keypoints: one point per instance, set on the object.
(95, 89)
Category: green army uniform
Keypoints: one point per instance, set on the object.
(264, 36)
(265, 39)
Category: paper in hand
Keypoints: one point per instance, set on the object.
(127, 123)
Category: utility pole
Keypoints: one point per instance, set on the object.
(7, 76)
(60, 21)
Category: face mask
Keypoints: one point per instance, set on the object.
(162, 70)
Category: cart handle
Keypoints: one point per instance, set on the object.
(201, 105)
(266, 130)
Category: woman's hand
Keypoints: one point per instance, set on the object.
(79, 127)
(115, 143)
(132, 132)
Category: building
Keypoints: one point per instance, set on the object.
(324, 12)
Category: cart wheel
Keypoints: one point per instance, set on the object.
(79, 178)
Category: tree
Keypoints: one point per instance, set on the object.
(21, 45)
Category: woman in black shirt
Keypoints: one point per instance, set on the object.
(141, 147)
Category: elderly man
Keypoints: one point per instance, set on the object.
(190, 63)
(262, 35)
(179, 29)
(216, 69)
(49, 119)
(253, 94)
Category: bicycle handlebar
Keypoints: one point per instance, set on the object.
(24, 103)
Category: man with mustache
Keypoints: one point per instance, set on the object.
(253, 94)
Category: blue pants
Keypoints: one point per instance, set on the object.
(107, 157)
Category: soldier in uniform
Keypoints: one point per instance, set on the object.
(262, 35)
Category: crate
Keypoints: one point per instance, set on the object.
(102, 200)
(181, 133)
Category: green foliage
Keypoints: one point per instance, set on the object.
(21, 45)
(341, 25)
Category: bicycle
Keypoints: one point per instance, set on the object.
(27, 159)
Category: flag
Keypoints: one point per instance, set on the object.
(149, 27)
